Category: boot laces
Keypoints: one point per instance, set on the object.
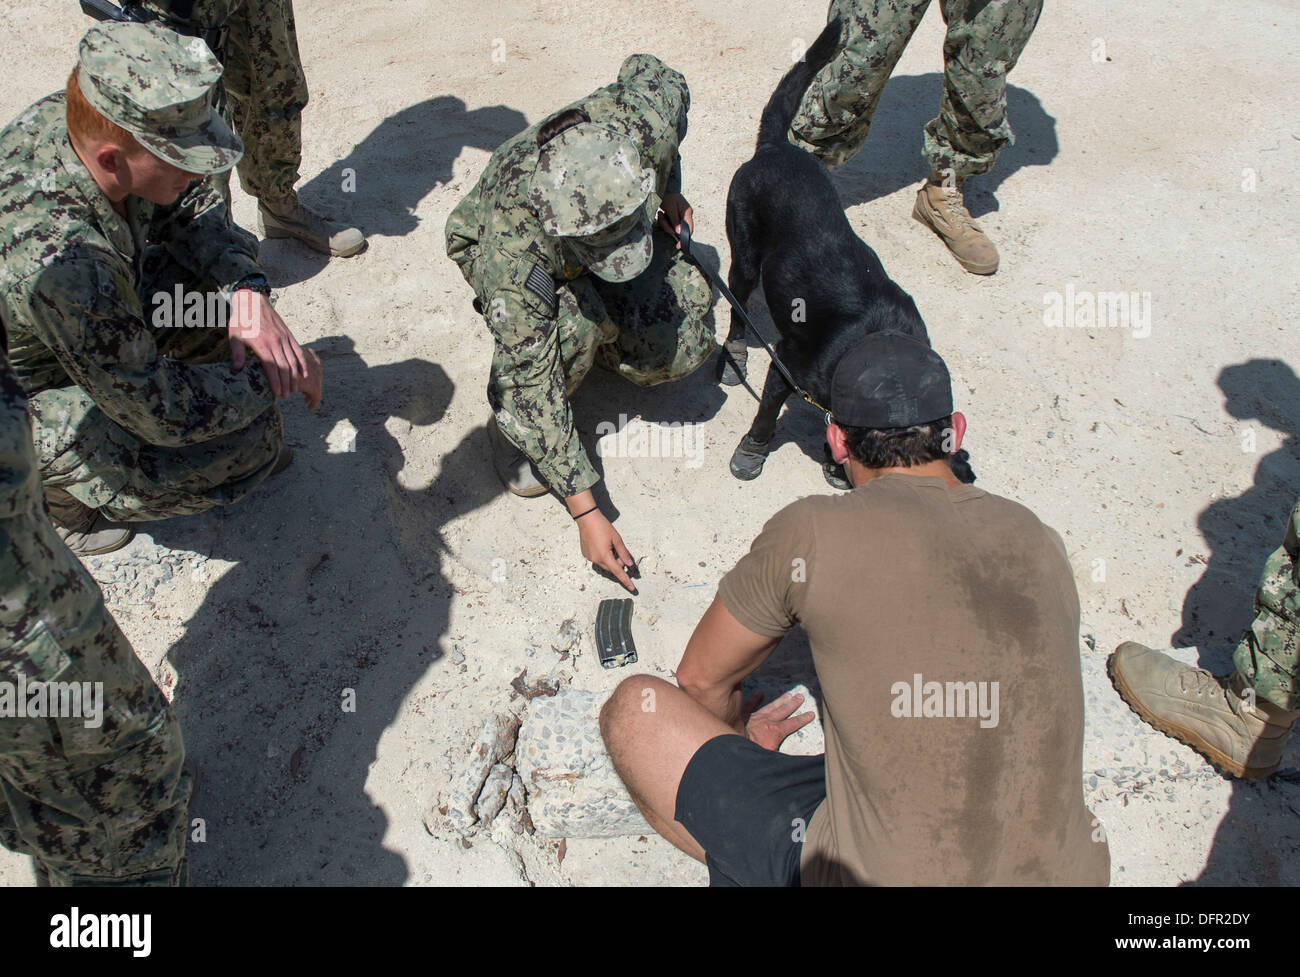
(956, 207)
(1200, 682)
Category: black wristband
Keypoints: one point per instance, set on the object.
(587, 513)
(256, 283)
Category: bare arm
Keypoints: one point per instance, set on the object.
(720, 654)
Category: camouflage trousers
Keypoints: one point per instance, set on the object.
(99, 798)
(656, 328)
(85, 452)
(265, 90)
(983, 42)
(1268, 655)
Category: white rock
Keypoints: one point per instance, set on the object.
(573, 791)
(456, 805)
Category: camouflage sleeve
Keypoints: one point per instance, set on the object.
(88, 314)
(201, 237)
(526, 389)
(462, 239)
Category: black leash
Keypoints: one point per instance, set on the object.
(685, 237)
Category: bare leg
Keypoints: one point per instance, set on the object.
(652, 729)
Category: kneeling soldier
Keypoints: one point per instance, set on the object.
(558, 241)
(138, 416)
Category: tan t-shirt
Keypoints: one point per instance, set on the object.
(944, 628)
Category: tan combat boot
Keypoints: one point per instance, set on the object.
(1217, 716)
(942, 210)
(87, 531)
(516, 472)
(289, 218)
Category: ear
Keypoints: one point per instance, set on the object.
(958, 430)
(838, 444)
(110, 159)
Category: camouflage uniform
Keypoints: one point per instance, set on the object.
(263, 82)
(549, 317)
(983, 43)
(92, 805)
(1268, 656)
(136, 419)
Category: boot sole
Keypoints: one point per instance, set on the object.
(1219, 760)
(975, 269)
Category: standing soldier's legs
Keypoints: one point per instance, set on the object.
(664, 319)
(983, 44)
(1240, 722)
(1268, 656)
(266, 90)
(100, 798)
(835, 114)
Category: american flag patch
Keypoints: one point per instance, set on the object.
(542, 285)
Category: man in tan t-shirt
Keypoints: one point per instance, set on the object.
(944, 629)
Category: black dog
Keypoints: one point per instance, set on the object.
(825, 287)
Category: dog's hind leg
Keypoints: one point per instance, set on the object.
(748, 458)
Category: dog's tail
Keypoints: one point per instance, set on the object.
(784, 103)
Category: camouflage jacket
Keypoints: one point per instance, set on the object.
(495, 237)
(20, 487)
(69, 275)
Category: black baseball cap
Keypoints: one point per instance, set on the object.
(890, 380)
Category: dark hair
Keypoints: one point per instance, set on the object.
(565, 120)
(900, 447)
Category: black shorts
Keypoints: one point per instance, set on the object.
(749, 809)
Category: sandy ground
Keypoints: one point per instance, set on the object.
(1156, 154)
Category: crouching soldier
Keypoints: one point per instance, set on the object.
(129, 318)
(567, 240)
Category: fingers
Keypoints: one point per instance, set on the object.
(781, 707)
(615, 566)
(236, 354)
(293, 350)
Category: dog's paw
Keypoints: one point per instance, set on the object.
(835, 475)
(732, 374)
(747, 460)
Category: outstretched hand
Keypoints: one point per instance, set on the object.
(603, 546)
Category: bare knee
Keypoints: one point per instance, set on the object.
(625, 709)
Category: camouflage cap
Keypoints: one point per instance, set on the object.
(591, 189)
(157, 85)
